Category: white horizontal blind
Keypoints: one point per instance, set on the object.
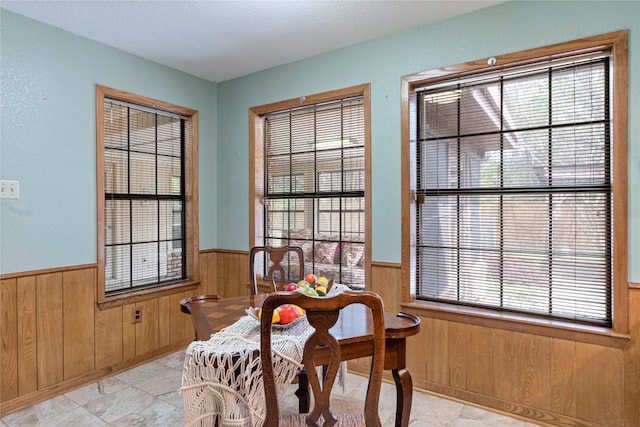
(144, 197)
(514, 192)
(315, 184)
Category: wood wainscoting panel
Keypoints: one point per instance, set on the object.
(417, 365)
(563, 381)
(632, 363)
(8, 340)
(147, 333)
(49, 329)
(174, 325)
(522, 368)
(79, 299)
(54, 337)
(599, 384)
(233, 278)
(457, 355)
(27, 350)
(386, 281)
(208, 276)
(128, 332)
(478, 359)
(109, 338)
(436, 333)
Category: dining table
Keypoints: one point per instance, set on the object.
(353, 330)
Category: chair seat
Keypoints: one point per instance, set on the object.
(344, 420)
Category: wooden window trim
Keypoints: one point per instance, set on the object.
(256, 159)
(617, 335)
(191, 188)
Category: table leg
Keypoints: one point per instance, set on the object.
(404, 394)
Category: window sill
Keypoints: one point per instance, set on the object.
(518, 323)
(146, 294)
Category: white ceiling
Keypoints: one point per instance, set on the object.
(220, 40)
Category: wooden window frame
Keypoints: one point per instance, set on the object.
(256, 159)
(191, 208)
(617, 334)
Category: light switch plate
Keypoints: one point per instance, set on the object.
(9, 189)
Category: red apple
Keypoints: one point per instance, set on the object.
(291, 287)
(310, 278)
(288, 314)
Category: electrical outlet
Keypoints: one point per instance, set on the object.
(9, 189)
(137, 315)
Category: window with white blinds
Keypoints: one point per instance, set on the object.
(144, 195)
(514, 190)
(314, 186)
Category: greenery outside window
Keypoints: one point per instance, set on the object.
(309, 187)
(146, 182)
(515, 187)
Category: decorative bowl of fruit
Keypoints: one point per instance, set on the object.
(283, 316)
(311, 286)
(288, 314)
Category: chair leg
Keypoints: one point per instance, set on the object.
(303, 392)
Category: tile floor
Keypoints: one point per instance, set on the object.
(148, 395)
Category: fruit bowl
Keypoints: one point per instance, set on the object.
(254, 313)
(311, 285)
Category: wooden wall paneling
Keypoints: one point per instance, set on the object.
(49, 329)
(174, 326)
(532, 373)
(128, 332)
(599, 384)
(233, 278)
(79, 302)
(147, 330)
(164, 320)
(109, 337)
(478, 367)
(418, 344)
(522, 368)
(437, 349)
(207, 274)
(563, 383)
(8, 340)
(632, 363)
(504, 365)
(27, 350)
(387, 282)
(457, 355)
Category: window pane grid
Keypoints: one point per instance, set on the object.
(314, 195)
(513, 186)
(144, 200)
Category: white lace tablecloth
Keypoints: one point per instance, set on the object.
(222, 377)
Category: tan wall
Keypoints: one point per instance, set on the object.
(54, 338)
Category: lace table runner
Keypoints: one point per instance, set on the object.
(222, 377)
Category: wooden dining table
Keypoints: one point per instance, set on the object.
(353, 330)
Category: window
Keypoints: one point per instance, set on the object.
(519, 184)
(145, 184)
(310, 181)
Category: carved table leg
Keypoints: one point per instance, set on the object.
(404, 394)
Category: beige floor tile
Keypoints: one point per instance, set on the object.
(149, 396)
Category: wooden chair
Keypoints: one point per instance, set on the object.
(322, 314)
(277, 257)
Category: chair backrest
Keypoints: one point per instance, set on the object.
(322, 313)
(276, 259)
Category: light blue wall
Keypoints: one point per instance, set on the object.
(47, 123)
(508, 27)
(47, 137)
